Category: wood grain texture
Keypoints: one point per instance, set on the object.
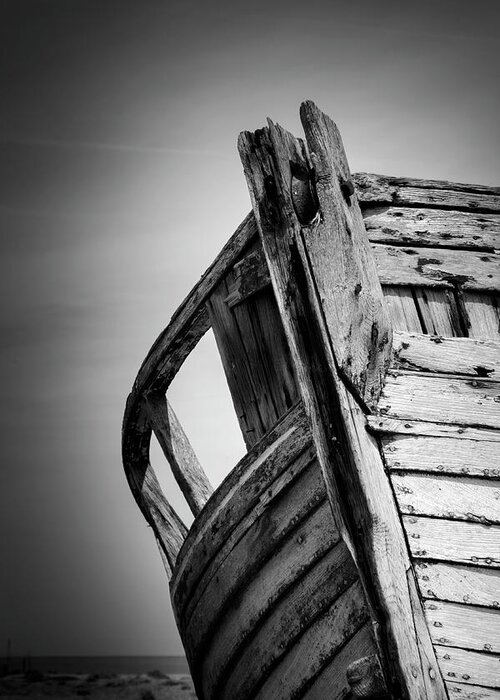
(347, 454)
(453, 540)
(343, 266)
(331, 681)
(439, 312)
(291, 535)
(168, 528)
(469, 667)
(316, 647)
(402, 309)
(471, 585)
(303, 603)
(188, 473)
(452, 497)
(441, 399)
(242, 497)
(484, 315)
(457, 625)
(475, 357)
(460, 691)
(443, 455)
(384, 425)
(432, 228)
(438, 267)
(438, 194)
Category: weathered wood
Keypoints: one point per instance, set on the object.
(242, 497)
(303, 603)
(484, 315)
(252, 406)
(384, 425)
(432, 228)
(250, 276)
(253, 563)
(460, 691)
(441, 399)
(173, 345)
(190, 321)
(177, 449)
(438, 267)
(449, 455)
(455, 497)
(438, 311)
(365, 678)
(471, 585)
(381, 189)
(255, 357)
(470, 667)
(347, 454)
(463, 625)
(478, 358)
(168, 528)
(317, 646)
(453, 540)
(331, 681)
(342, 265)
(402, 309)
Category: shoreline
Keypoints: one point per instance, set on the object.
(154, 685)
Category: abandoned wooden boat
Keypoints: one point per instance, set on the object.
(355, 550)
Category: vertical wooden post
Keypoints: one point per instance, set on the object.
(331, 305)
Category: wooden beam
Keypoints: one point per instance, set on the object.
(383, 189)
(187, 471)
(331, 306)
(477, 358)
(441, 268)
(432, 228)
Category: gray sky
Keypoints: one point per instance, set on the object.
(120, 182)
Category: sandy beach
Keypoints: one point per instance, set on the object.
(57, 686)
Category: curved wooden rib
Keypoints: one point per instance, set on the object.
(162, 363)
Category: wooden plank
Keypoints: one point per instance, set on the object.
(468, 626)
(448, 455)
(343, 267)
(438, 267)
(240, 499)
(177, 449)
(269, 355)
(441, 399)
(384, 425)
(455, 497)
(316, 647)
(459, 584)
(484, 315)
(169, 530)
(439, 312)
(190, 321)
(252, 406)
(460, 691)
(349, 458)
(250, 277)
(272, 538)
(469, 667)
(478, 358)
(432, 228)
(453, 540)
(402, 309)
(332, 680)
(238, 660)
(440, 194)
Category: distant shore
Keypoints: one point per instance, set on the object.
(154, 685)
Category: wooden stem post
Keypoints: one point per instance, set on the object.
(331, 305)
